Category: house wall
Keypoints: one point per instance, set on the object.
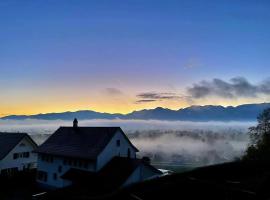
(112, 150)
(142, 173)
(20, 163)
(52, 168)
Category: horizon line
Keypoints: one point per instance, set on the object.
(234, 106)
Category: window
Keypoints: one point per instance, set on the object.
(60, 169)
(74, 163)
(26, 154)
(15, 156)
(128, 153)
(21, 155)
(69, 162)
(54, 176)
(65, 162)
(85, 164)
(47, 158)
(80, 163)
(9, 171)
(42, 157)
(118, 143)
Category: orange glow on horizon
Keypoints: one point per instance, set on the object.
(113, 106)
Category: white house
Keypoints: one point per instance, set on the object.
(72, 151)
(16, 152)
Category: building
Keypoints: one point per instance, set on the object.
(16, 153)
(95, 151)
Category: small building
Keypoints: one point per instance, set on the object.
(16, 153)
(71, 151)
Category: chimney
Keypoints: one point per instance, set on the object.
(75, 123)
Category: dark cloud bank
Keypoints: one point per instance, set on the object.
(158, 96)
(236, 87)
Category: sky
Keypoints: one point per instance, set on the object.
(124, 55)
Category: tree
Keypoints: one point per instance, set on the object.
(259, 147)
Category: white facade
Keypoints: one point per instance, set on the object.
(19, 158)
(112, 150)
(51, 168)
(55, 167)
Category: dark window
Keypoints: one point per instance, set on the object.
(75, 163)
(128, 153)
(85, 164)
(47, 158)
(15, 156)
(118, 143)
(69, 162)
(65, 162)
(55, 176)
(9, 171)
(51, 159)
(80, 163)
(60, 169)
(26, 154)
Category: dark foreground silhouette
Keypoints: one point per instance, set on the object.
(237, 180)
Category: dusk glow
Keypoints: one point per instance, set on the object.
(125, 55)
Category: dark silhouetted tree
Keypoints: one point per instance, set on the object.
(259, 147)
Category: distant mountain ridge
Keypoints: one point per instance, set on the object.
(245, 112)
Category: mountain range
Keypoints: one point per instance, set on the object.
(245, 112)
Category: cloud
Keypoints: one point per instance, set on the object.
(145, 100)
(147, 97)
(157, 96)
(113, 91)
(235, 88)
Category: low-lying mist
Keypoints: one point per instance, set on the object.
(190, 148)
(167, 143)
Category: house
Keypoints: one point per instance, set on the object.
(119, 172)
(16, 153)
(89, 151)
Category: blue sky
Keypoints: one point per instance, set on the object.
(64, 55)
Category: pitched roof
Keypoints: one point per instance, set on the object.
(113, 175)
(9, 140)
(79, 142)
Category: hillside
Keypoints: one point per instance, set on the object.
(237, 180)
(245, 112)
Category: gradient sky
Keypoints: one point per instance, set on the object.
(107, 55)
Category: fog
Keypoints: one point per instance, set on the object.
(193, 148)
(168, 143)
